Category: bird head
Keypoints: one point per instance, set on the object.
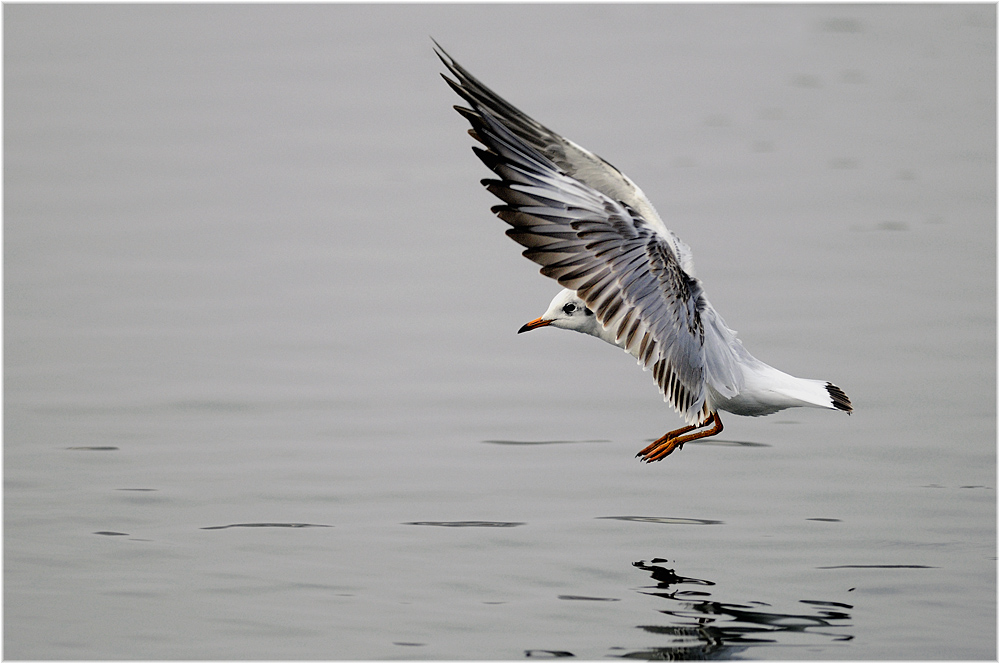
(568, 312)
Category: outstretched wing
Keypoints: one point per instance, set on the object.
(593, 234)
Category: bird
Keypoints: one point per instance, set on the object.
(627, 279)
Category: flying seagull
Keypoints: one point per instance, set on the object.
(627, 278)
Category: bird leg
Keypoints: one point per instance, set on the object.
(673, 440)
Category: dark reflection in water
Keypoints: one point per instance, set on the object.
(268, 525)
(876, 567)
(699, 627)
(671, 520)
(727, 443)
(467, 524)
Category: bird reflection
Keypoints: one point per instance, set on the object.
(702, 628)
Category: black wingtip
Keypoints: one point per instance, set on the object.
(839, 398)
(439, 51)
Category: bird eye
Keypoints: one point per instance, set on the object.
(569, 308)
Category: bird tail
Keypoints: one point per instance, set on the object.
(818, 393)
(839, 399)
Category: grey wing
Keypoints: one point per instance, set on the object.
(622, 266)
(570, 158)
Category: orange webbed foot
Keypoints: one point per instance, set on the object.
(674, 440)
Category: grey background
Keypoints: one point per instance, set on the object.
(250, 278)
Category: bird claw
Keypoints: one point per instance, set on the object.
(659, 451)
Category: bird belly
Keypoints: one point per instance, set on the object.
(751, 404)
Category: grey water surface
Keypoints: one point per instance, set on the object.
(263, 394)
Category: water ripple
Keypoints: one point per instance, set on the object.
(699, 627)
(542, 442)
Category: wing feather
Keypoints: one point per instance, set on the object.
(569, 157)
(593, 231)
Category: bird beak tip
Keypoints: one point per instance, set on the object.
(531, 325)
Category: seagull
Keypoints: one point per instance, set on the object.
(628, 280)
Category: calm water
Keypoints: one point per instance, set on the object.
(263, 392)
